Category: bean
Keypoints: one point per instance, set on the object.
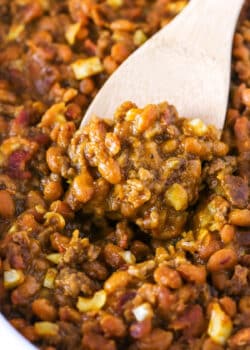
(113, 326)
(44, 310)
(110, 170)
(54, 159)
(167, 277)
(7, 205)
(193, 273)
(229, 305)
(83, 187)
(227, 233)
(118, 279)
(244, 304)
(223, 259)
(87, 86)
(53, 190)
(240, 217)
(119, 52)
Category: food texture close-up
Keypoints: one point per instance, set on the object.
(130, 233)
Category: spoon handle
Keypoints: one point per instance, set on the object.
(208, 24)
(212, 23)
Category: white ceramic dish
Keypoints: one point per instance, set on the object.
(11, 339)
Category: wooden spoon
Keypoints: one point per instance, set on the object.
(187, 63)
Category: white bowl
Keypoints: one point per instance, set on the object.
(10, 339)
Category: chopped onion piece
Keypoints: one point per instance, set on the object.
(12, 278)
(71, 32)
(92, 304)
(115, 3)
(142, 312)
(220, 325)
(50, 278)
(46, 328)
(128, 257)
(198, 126)
(86, 67)
(15, 31)
(139, 37)
(55, 258)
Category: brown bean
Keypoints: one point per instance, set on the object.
(54, 159)
(83, 187)
(240, 217)
(167, 277)
(7, 205)
(87, 86)
(240, 338)
(229, 305)
(110, 170)
(53, 190)
(227, 233)
(211, 345)
(113, 326)
(44, 310)
(158, 339)
(223, 259)
(193, 273)
(246, 97)
(244, 304)
(120, 52)
(141, 329)
(110, 64)
(119, 279)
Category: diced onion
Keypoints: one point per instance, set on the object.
(55, 258)
(92, 304)
(177, 196)
(198, 126)
(46, 328)
(50, 278)
(142, 312)
(220, 325)
(86, 67)
(128, 257)
(139, 37)
(115, 3)
(15, 31)
(71, 32)
(12, 278)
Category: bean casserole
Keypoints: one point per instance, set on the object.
(126, 235)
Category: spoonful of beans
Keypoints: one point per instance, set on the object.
(187, 63)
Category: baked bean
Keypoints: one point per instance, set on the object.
(87, 86)
(52, 190)
(83, 187)
(44, 310)
(158, 339)
(240, 338)
(113, 326)
(244, 304)
(227, 233)
(110, 170)
(223, 259)
(167, 277)
(229, 306)
(240, 217)
(119, 52)
(54, 159)
(7, 205)
(192, 273)
(118, 279)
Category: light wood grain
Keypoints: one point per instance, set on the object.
(186, 63)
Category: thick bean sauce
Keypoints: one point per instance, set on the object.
(133, 234)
